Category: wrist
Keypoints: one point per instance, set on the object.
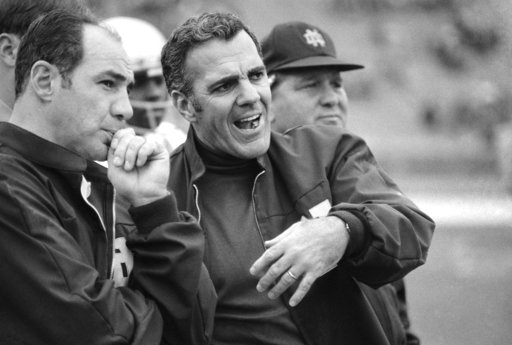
(145, 200)
(342, 226)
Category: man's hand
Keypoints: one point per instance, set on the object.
(303, 253)
(138, 167)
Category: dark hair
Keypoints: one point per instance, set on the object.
(17, 15)
(56, 38)
(192, 33)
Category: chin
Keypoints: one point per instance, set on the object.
(254, 150)
(98, 155)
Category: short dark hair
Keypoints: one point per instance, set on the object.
(17, 15)
(192, 33)
(57, 38)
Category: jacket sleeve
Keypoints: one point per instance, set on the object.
(390, 236)
(181, 286)
(51, 292)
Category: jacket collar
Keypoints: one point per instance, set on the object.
(304, 178)
(42, 151)
(196, 163)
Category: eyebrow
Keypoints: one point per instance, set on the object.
(257, 69)
(120, 77)
(227, 79)
(231, 78)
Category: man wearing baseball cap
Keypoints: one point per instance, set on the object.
(304, 72)
(307, 88)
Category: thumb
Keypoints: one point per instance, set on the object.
(110, 156)
(280, 237)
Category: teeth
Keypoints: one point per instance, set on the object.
(248, 123)
(252, 118)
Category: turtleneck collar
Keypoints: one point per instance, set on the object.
(216, 162)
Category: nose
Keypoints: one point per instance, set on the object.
(334, 96)
(330, 96)
(248, 94)
(121, 108)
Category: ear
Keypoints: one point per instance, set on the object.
(43, 79)
(184, 106)
(9, 44)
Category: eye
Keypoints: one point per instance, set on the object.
(255, 76)
(224, 87)
(309, 85)
(337, 84)
(107, 83)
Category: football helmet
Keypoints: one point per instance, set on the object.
(143, 43)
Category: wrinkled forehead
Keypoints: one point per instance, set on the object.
(218, 57)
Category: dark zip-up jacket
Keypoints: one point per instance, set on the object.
(390, 236)
(57, 248)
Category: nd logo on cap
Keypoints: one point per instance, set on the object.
(300, 45)
(314, 38)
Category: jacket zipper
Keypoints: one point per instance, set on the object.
(85, 191)
(196, 200)
(254, 208)
(113, 231)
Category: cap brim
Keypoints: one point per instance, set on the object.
(319, 61)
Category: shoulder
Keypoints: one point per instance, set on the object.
(18, 173)
(315, 138)
(11, 163)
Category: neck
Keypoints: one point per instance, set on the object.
(6, 101)
(5, 111)
(33, 118)
(223, 162)
(7, 94)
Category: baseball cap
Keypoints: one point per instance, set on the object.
(299, 45)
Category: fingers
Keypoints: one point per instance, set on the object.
(278, 275)
(128, 150)
(307, 250)
(303, 288)
(261, 267)
(279, 237)
(288, 278)
(291, 276)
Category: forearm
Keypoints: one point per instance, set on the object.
(168, 268)
(386, 242)
(390, 236)
(50, 294)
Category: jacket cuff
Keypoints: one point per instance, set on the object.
(357, 242)
(149, 216)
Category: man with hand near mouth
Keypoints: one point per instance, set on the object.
(152, 108)
(291, 221)
(69, 276)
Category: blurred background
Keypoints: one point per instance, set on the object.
(435, 105)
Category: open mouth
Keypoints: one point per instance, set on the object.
(249, 123)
